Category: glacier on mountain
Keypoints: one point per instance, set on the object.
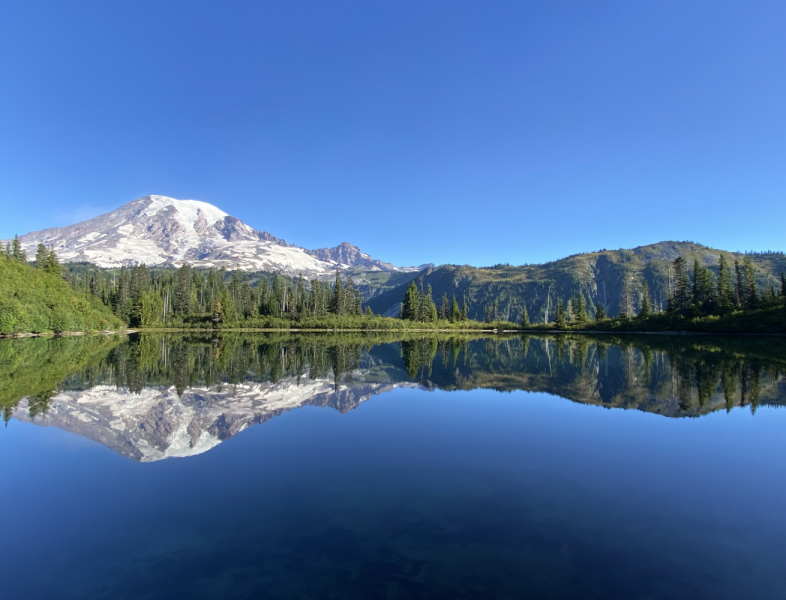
(157, 230)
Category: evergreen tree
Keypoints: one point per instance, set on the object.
(137, 291)
(725, 287)
(626, 297)
(52, 264)
(580, 309)
(680, 299)
(752, 298)
(646, 304)
(122, 296)
(41, 256)
(600, 312)
(223, 310)
(524, 317)
(455, 312)
(300, 296)
(783, 285)
(696, 292)
(427, 310)
(16, 250)
(352, 300)
(464, 310)
(337, 304)
(410, 307)
(95, 287)
(182, 292)
(740, 287)
(559, 316)
(444, 309)
(368, 311)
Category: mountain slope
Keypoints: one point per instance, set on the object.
(597, 276)
(157, 230)
(32, 300)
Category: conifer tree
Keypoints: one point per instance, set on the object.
(524, 317)
(626, 297)
(337, 305)
(580, 309)
(680, 299)
(122, 300)
(41, 256)
(646, 304)
(559, 316)
(300, 296)
(410, 307)
(16, 250)
(696, 294)
(752, 298)
(352, 301)
(444, 309)
(182, 292)
(368, 311)
(455, 312)
(464, 310)
(427, 310)
(783, 285)
(95, 289)
(52, 264)
(725, 287)
(600, 312)
(740, 287)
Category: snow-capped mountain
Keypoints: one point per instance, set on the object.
(157, 423)
(156, 230)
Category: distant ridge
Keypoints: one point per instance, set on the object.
(598, 276)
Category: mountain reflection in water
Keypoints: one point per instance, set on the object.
(155, 396)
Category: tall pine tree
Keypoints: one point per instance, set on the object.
(524, 317)
(725, 286)
(455, 312)
(559, 316)
(600, 312)
(646, 304)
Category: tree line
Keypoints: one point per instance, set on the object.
(143, 297)
(418, 305)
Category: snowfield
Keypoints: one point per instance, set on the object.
(157, 230)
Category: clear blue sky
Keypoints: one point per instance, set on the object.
(462, 132)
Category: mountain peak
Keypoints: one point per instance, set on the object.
(189, 209)
(157, 230)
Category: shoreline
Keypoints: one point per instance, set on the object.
(386, 331)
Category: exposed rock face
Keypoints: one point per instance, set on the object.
(349, 255)
(157, 230)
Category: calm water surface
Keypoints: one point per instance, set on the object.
(372, 467)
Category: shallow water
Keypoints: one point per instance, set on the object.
(371, 467)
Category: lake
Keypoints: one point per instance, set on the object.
(356, 466)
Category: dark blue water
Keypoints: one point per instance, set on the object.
(415, 493)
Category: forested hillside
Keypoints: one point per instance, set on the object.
(691, 280)
(37, 299)
(606, 277)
